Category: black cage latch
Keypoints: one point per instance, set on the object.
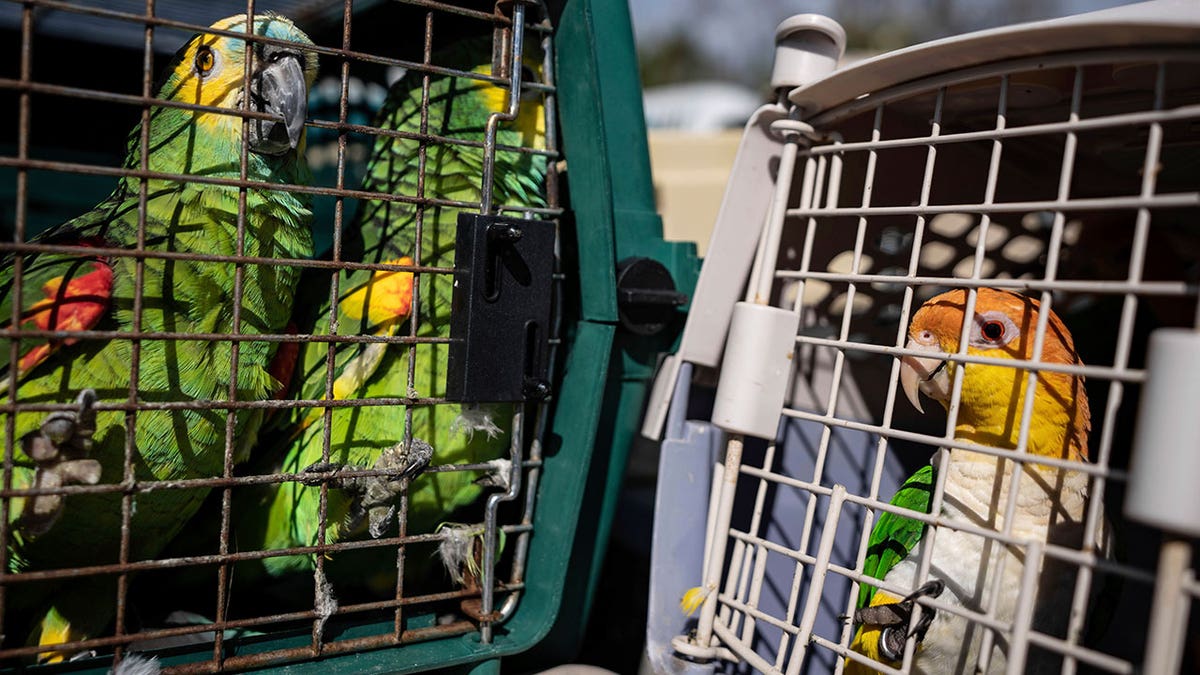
(500, 322)
(646, 297)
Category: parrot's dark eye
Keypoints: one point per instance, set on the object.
(205, 60)
(992, 330)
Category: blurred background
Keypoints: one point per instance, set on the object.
(719, 52)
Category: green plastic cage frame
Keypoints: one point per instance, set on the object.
(610, 217)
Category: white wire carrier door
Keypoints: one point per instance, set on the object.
(1070, 177)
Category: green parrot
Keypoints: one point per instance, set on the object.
(82, 290)
(383, 303)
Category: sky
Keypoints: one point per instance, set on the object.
(741, 32)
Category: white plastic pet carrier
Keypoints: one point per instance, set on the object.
(1059, 160)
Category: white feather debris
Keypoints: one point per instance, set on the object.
(325, 602)
(137, 664)
(455, 550)
(500, 475)
(472, 418)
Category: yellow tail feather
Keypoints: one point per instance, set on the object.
(55, 630)
(693, 599)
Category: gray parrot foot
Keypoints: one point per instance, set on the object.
(323, 472)
(374, 497)
(59, 449)
(894, 619)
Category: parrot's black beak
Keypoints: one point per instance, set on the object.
(279, 89)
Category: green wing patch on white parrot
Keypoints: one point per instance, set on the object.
(1051, 502)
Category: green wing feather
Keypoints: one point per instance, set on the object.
(895, 536)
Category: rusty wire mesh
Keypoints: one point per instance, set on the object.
(28, 162)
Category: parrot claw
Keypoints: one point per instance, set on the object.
(59, 448)
(309, 476)
(894, 619)
(375, 496)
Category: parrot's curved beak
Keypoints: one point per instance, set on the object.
(922, 375)
(279, 89)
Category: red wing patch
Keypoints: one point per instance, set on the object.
(283, 365)
(77, 304)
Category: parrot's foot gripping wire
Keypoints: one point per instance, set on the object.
(894, 619)
(59, 448)
(374, 497)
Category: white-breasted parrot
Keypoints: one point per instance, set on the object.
(1051, 502)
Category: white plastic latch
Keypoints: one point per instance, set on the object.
(731, 253)
(1166, 444)
(756, 369)
(807, 48)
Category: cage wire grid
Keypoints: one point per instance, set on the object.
(496, 596)
(883, 258)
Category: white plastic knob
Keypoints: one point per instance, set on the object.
(807, 48)
(1166, 443)
(755, 370)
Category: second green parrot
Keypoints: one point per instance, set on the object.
(445, 168)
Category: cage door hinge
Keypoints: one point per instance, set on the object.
(500, 318)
